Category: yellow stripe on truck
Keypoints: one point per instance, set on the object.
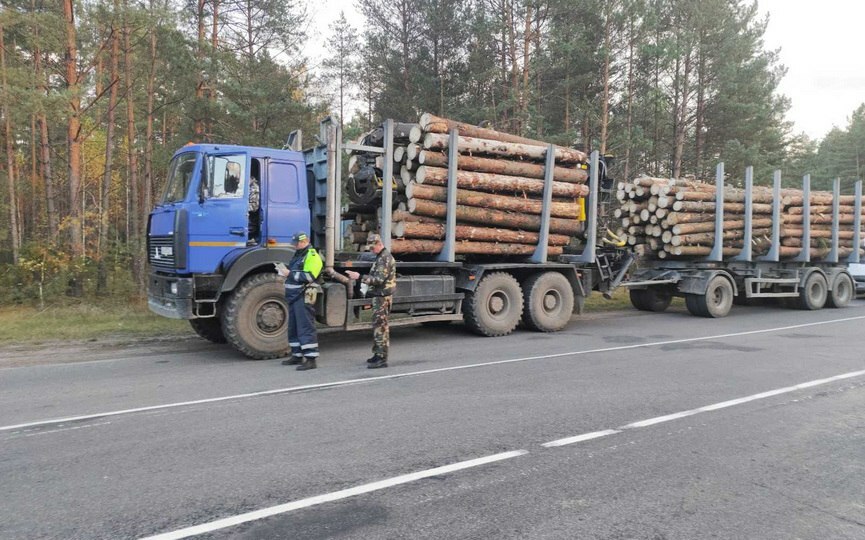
(217, 244)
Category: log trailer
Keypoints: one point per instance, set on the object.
(212, 259)
(808, 278)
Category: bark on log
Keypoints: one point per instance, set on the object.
(822, 219)
(487, 200)
(817, 233)
(399, 246)
(435, 141)
(709, 237)
(498, 218)
(497, 182)
(503, 166)
(739, 208)
(435, 124)
(691, 228)
(843, 209)
(729, 196)
(405, 216)
(436, 231)
(816, 199)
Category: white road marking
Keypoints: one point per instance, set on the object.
(329, 497)
(706, 408)
(363, 380)
(581, 438)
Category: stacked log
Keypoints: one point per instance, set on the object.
(500, 185)
(675, 218)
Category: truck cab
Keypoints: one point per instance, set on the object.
(206, 234)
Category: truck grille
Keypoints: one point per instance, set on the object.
(160, 251)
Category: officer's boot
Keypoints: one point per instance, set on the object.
(293, 361)
(308, 363)
(372, 359)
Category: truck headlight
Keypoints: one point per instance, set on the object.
(173, 288)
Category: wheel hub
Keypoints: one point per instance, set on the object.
(498, 303)
(551, 301)
(270, 317)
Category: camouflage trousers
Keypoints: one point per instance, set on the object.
(380, 327)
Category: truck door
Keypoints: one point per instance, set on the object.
(286, 211)
(219, 224)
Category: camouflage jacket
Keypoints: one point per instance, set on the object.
(382, 277)
(254, 195)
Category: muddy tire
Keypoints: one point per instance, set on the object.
(717, 301)
(813, 294)
(843, 291)
(255, 317)
(209, 329)
(651, 299)
(548, 302)
(496, 305)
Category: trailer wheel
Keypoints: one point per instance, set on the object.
(716, 302)
(813, 294)
(209, 329)
(495, 307)
(548, 302)
(843, 290)
(651, 299)
(255, 317)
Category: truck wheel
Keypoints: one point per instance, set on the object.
(210, 329)
(813, 294)
(495, 307)
(548, 302)
(843, 290)
(255, 317)
(651, 299)
(717, 301)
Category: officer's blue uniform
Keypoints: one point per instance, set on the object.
(303, 270)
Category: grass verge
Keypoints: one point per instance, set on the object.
(84, 322)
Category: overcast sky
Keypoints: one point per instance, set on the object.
(821, 45)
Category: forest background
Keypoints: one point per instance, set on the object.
(97, 95)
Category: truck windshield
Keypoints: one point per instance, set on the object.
(179, 176)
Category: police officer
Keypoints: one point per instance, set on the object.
(300, 292)
(382, 284)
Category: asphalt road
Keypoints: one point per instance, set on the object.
(453, 440)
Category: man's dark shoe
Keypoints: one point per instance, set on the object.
(372, 359)
(375, 365)
(307, 365)
(293, 361)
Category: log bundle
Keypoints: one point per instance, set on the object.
(499, 191)
(675, 219)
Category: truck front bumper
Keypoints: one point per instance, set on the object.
(170, 296)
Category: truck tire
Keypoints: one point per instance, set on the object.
(813, 294)
(209, 329)
(651, 299)
(843, 291)
(717, 301)
(548, 302)
(496, 305)
(255, 317)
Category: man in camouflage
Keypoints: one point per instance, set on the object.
(254, 207)
(382, 284)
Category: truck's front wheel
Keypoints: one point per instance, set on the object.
(495, 307)
(210, 329)
(255, 317)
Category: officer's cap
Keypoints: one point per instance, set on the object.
(299, 237)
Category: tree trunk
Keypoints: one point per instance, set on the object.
(497, 182)
(104, 217)
(502, 166)
(148, 134)
(498, 202)
(467, 248)
(498, 218)
(605, 77)
(442, 126)
(73, 135)
(10, 152)
(132, 154)
(198, 127)
(436, 231)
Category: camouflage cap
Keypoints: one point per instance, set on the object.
(373, 239)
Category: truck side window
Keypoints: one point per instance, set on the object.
(282, 183)
(226, 174)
